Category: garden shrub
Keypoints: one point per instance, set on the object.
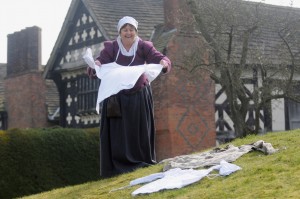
(36, 160)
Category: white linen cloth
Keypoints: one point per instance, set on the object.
(230, 153)
(115, 77)
(173, 179)
(177, 178)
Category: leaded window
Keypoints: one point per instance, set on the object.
(3, 120)
(87, 94)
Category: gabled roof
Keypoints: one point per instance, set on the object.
(161, 37)
(105, 14)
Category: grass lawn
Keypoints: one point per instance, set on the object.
(262, 176)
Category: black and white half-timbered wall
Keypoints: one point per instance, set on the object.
(78, 93)
(272, 35)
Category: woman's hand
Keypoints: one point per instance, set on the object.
(91, 73)
(97, 62)
(163, 63)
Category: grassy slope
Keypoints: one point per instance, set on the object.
(273, 176)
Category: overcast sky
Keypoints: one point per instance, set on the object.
(49, 15)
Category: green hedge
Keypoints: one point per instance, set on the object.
(36, 160)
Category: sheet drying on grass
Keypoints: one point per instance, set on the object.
(177, 178)
(182, 170)
(205, 159)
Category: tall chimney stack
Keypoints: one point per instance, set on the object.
(24, 51)
(178, 15)
(171, 8)
(184, 111)
(25, 87)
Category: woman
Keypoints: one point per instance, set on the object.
(127, 136)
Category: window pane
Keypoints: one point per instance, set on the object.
(87, 93)
(294, 112)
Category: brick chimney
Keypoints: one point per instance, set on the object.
(171, 7)
(177, 15)
(24, 51)
(25, 87)
(184, 100)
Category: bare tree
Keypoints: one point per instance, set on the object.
(250, 41)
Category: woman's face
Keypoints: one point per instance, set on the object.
(128, 33)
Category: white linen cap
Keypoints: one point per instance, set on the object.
(125, 20)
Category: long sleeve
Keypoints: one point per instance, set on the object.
(153, 56)
(107, 54)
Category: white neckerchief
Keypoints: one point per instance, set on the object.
(132, 50)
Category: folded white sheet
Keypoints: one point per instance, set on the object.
(115, 77)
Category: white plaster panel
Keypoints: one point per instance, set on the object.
(278, 119)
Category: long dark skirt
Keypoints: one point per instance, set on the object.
(127, 141)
